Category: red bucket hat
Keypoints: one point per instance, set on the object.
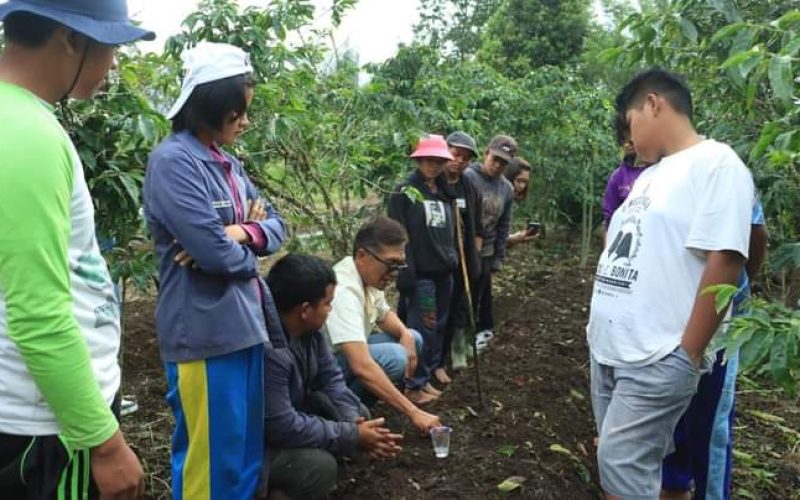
(433, 146)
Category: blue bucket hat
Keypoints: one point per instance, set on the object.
(105, 21)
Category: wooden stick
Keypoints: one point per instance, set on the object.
(468, 292)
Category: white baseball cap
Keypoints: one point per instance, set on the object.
(209, 62)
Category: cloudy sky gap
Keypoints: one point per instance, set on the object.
(373, 29)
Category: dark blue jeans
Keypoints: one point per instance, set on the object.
(428, 310)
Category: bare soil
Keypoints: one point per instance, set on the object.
(536, 423)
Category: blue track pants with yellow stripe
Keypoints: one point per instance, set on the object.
(218, 442)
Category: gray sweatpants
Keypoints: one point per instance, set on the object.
(636, 410)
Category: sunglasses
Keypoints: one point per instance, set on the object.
(392, 267)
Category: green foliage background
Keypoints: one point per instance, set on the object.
(330, 137)
(522, 35)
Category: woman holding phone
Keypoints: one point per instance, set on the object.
(209, 225)
(518, 174)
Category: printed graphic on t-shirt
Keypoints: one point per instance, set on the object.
(435, 214)
(106, 314)
(618, 270)
(91, 269)
(492, 209)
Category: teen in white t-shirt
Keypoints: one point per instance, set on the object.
(684, 227)
(692, 202)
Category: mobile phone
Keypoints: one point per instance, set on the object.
(534, 228)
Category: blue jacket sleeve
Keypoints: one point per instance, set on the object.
(289, 428)
(330, 380)
(274, 226)
(180, 200)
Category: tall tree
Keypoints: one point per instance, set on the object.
(604, 34)
(523, 35)
(454, 26)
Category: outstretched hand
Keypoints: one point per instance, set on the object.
(424, 421)
(522, 237)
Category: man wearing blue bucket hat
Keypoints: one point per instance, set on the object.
(59, 317)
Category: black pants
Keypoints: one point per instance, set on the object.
(302, 473)
(39, 468)
(307, 473)
(485, 320)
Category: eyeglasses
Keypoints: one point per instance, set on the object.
(392, 267)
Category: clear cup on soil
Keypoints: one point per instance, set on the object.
(440, 437)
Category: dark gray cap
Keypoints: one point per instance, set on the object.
(504, 147)
(463, 140)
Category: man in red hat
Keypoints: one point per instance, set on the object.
(59, 316)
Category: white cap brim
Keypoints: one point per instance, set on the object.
(178, 106)
(209, 62)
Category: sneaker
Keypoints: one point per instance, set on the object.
(420, 398)
(482, 339)
(433, 391)
(485, 334)
(127, 407)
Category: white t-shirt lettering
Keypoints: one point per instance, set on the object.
(690, 203)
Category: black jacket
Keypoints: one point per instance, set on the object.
(471, 210)
(430, 222)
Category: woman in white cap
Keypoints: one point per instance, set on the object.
(209, 225)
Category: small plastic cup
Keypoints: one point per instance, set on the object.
(440, 437)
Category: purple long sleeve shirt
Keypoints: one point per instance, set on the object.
(618, 188)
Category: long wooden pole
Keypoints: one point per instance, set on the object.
(468, 292)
